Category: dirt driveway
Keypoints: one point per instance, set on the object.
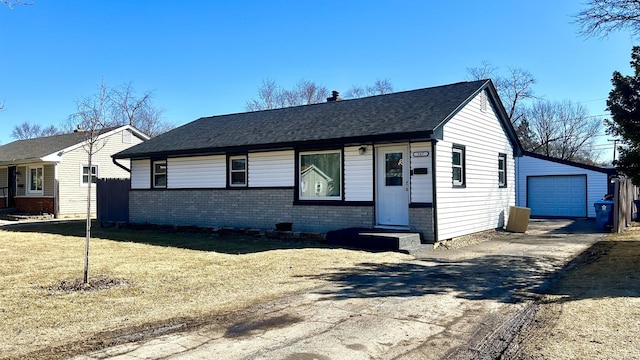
(463, 303)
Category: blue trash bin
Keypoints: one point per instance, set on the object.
(604, 214)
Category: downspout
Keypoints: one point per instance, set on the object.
(120, 165)
(433, 189)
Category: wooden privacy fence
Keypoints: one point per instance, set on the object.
(112, 200)
(624, 195)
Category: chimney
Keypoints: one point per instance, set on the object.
(335, 96)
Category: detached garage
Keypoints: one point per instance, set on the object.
(559, 188)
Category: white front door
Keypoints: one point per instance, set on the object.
(392, 185)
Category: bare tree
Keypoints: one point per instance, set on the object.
(272, 96)
(602, 17)
(268, 97)
(310, 92)
(93, 117)
(379, 87)
(27, 131)
(305, 92)
(485, 71)
(563, 129)
(514, 88)
(138, 112)
(125, 108)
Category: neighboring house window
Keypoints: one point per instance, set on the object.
(160, 174)
(502, 170)
(320, 175)
(458, 166)
(238, 170)
(36, 180)
(86, 174)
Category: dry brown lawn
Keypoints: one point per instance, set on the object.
(154, 279)
(593, 311)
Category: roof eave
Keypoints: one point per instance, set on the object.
(307, 144)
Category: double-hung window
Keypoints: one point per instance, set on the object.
(458, 165)
(160, 174)
(86, 174)
(238, 170)
(320, 175)
(502, 170)
(36, 180)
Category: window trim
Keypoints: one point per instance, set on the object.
(36, 192)
(502, 157)
(299, 186)
(97, 175)
(463, 166)
(230, 170)
(153, 174)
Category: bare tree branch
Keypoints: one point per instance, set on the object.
(563, 130)
(602, 17)
(272, 96)
(379, 87)
(27, 131)
(11, 3)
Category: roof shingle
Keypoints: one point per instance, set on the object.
(404, 112)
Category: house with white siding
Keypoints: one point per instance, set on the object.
(439, 161)
(552, 187)
(51, 174)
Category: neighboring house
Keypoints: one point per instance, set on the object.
(314, 182)
(559, 188)
(439, 161)
(50, 174)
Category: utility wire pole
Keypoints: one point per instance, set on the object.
(615, 145)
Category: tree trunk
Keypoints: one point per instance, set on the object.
(88, 228)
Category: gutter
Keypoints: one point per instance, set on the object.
(120, 165)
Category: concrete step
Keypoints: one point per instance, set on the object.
(374, 239)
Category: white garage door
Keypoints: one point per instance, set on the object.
(561, 196)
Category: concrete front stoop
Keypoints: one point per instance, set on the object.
(378, 239)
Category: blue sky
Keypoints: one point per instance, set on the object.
(203, 58)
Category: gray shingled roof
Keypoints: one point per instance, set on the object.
(37, 148)
(403, 113)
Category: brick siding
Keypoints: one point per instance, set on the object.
(34, 205)
(421, 220)
(247, 208)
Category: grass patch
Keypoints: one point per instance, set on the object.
(142, 280)
(593, 311)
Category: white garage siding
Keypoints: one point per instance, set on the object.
(561, 196)
(482, 204)
(538, 165)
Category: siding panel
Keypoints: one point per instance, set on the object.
(421, 184)
(271, 169)
(358, 174)
(73, 195)
(196, 172)
(140, 174)
(482, 204)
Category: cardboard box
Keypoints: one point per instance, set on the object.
(518, 219)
